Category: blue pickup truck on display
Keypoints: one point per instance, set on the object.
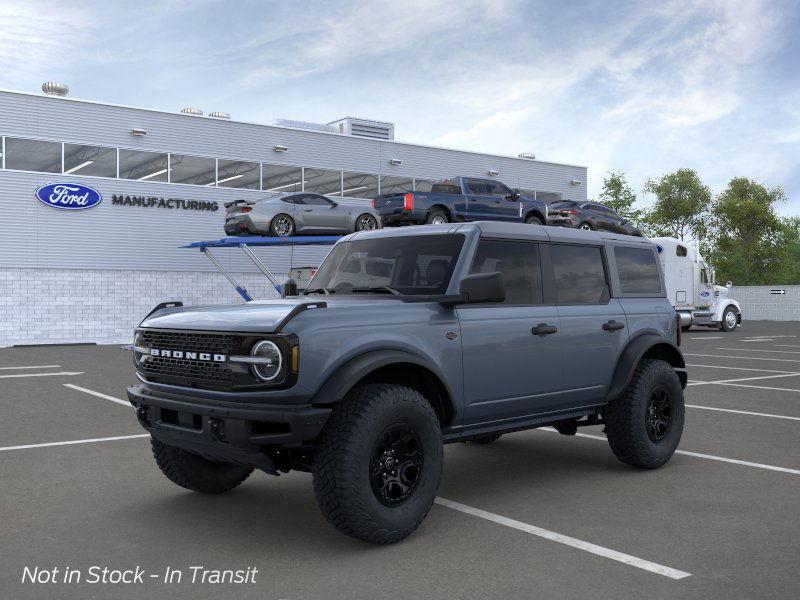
(461, 199)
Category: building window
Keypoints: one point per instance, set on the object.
(33, 155)
(396, 185)
(280, 178)
(237, 174)
(194, 170)
(96, 161)
(144, 166)
(423, 185)
(321, 181)
(359, 185)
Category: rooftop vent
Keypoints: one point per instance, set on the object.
(377, 130)
(303, 125)
(51, 88)
(192, 111)
(527, 155)
(219, 115)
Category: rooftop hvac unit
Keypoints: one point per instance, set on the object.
(192, 111)
(303, 125)
(51, 88)
(219, 115)
(376, 130)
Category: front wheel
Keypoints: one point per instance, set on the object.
(533, 220)
(729, 320)
(193, 472)
(645, 424)
(378, 463)
(366, 223)
(281, 226)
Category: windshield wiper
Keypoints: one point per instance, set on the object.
(383, 289)
(325, 291)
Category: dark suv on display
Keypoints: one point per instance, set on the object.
(589, 216)
(407, 339)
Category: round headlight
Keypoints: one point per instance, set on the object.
(270, 367)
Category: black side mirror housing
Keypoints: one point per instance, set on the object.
(478, 288)
(334, 204)
(289, 288)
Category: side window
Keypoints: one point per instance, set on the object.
(579, 274)
(495, 188)
(446, 186)
(638, 271)
(681, 250)
(519, 264)
(316, 200)
(293, 199)
(476, 186)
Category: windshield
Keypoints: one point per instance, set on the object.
(412, 265)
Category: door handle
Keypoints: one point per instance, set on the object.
(308, 210)
(612, 325)
(544, 329)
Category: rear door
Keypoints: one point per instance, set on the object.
(594, 328)
(511, 351)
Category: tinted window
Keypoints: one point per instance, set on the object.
(238, 174)
(144, 166)
(360, 185)
(425, 185)
(316, 200)
(90, 160)
(410, 264)
(495, 188)
(638, 272)
(681, 251)
(396, 185)
(196, 170)
(280, 178)
(562, 204)
(321, 181)
(519, 264)
(33, 155)
(446, 186)
(579, 274)
(476, 186)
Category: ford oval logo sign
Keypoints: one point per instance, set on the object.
(68, 196)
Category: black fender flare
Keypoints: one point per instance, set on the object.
(536, 212)
(633, 354)
(352, 371)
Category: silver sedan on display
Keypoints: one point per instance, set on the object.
(298, 213)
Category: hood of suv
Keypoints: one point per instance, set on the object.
(260, 316)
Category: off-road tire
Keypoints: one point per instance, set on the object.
(625, 417)
(193, 472)
(343, 456)
(723, 326)
(533, 220)
(272, 230)
(437, 212)
(486, 438)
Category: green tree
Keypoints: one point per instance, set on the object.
(750, 243)
(681, 203)
(617, 194)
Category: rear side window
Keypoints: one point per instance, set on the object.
(638, 272)
(446, 186)
(580, 276)
(519, 264)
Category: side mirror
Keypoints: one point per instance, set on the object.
(334, 204)
(289, 288)
(729, 285)
(483, 287)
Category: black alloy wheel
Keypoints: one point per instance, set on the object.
(366, 223)
(395, 465)
(659, 414)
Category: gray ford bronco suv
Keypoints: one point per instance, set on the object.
(407, 339)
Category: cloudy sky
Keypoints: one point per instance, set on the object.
(641, 87)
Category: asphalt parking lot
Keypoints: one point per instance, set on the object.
(534, 515)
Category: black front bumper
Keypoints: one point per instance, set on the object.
(225, 431)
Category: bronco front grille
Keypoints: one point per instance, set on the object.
(222, 343)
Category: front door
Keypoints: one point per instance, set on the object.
(593, 325)
(511, 351)
(322, 214)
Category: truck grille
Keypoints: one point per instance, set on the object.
(194, 373)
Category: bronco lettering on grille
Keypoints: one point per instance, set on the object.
(189, 355)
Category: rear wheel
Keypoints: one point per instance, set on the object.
(281, 226)
(437, 216)
(366, 222)
(729, 320)
(586, 226)
(533, 220)
(193, 472)
(378, 463)
(645, 424)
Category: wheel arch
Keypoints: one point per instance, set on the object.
(647, 345)
(535, 212)
(389, 366)
(444, 208)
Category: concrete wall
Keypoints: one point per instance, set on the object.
(759, 304)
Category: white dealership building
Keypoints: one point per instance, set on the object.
(161, 178)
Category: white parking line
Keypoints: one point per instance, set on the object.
(787, 346)
(712, 337)
(739, 368)
(41, 374)
(759, 350)
(31, 367)
(744, 412)
(566, 540)
(761, 387)
(743, 379)
(741, 357)
(98, 394)
(72, 442)
(697, 454)
(758, 340)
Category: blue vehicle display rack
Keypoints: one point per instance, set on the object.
(245, 243)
